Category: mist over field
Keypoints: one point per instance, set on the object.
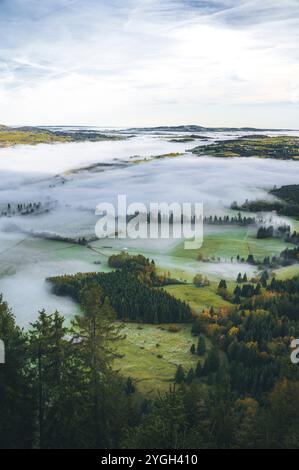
(71, 179)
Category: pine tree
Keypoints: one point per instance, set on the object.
(179, 375)
(51, 366)
(96, 334)
(198, 370)
(212, 363)
(17, 424)
(222, 284)
(130, 388)
(201, 346)
(190, 376)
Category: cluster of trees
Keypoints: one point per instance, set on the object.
(283, 232)
(57, 387)
(256, 334)
(209, 220)
(201, 281)
(230, 220)
(288, 206)
(142, 267)
(292, 238)
(131, 294)
(254, 345)
(194, 417)
(258, 206)
(247, 291)
(285, 258)
(265, 232)
(200, 349)
(23, 209)
(263, 292)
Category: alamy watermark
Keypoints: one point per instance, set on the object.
(295, 353)
(160, 220)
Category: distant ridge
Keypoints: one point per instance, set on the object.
(196, 129)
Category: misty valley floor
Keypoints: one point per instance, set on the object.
(72, 178)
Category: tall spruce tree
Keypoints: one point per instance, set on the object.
(16, 403)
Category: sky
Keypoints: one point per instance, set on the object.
(150, 62)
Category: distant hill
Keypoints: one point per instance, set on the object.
(28, 135)
(196, 129)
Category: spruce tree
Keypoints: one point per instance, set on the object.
(190, 376)
(201, 346)
(179, 375)
(17, 419)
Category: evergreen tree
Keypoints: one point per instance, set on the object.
(201, 346)
(16, 404)
(198, 370)
(130, 387)
(190, 376)
(212, 363)
(179, 375)
(96, 334)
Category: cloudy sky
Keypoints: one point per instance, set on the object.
(150, 62)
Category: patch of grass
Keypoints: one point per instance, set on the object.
(9, 138)
(156, 157)
(287, 272)
(153, 367)
(228, 244)
(198, 298)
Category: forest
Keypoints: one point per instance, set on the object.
(130, 290)
(243, 393)
(286, 204)
(66, 393)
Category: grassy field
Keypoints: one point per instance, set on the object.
(230, 243)
(9, 138)
(198, 298)
(288, 272)
(151, 354)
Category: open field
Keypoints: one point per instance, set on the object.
(198, 298)
(231, 243)
(152, 354)
(288, 272)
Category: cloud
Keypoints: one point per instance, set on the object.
(144, 61)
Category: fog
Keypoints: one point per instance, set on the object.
(58, 175)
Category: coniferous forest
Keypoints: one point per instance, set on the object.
(59, 388)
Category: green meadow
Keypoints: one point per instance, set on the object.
(230, 243)
(151, 354)
(199, 298)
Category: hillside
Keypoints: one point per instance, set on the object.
(10, 137)
(279, 148)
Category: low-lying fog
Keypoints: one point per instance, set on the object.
(44, 173)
